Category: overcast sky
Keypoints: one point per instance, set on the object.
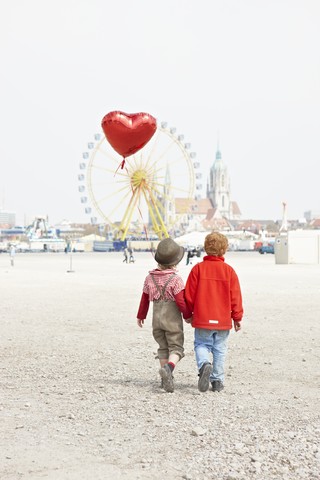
(248, 70)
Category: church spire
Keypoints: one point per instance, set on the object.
(218, 153)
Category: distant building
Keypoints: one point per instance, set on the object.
(219, 191)
(216, 211)
(315, 223)
(7, 219)
(311, 215)
(216, 221)
(190, 213)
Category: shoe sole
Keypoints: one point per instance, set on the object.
(167, 380)
(203, 383)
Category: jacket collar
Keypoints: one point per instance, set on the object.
(213, 258)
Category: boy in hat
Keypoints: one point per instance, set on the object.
(214, 296)
(165, 288)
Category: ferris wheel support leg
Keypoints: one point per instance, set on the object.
(156, 218)
(128, 215)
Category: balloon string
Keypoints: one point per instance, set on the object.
(121, 165)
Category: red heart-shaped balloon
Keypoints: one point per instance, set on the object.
(128, 132)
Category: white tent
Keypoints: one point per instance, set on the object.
(92, 238)
(235, 238)
(192, 239)
(88, 241)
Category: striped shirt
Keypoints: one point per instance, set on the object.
(174, 286)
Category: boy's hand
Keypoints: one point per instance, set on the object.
(237, 326)
(140, 322)
(188, 320)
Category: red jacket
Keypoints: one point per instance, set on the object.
(213, 294)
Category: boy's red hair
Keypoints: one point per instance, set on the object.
(216, 244)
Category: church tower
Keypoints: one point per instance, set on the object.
(218, 188)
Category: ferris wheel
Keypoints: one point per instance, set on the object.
(141, 196)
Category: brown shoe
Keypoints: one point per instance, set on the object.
(167, 378)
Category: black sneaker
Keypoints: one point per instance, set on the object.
(167, 378)
(217, 386)
(204, 375)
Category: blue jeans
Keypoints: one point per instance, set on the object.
(213, 342)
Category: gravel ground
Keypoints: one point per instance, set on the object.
(80, 393)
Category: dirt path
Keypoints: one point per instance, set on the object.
(79, 385)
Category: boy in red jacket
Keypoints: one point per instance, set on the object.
(165, 288)
(213, 294)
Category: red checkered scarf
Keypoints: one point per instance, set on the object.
(174, 286)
